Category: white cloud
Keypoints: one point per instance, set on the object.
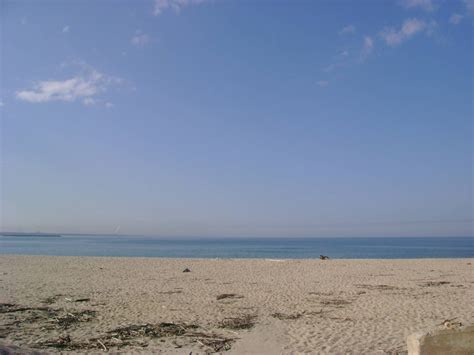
(1, 103)
(86, 87)
(427, 5)
(367, 47)
(176, 5)
(329, 68)
(89, 101)
(409, 28)
(140, 39)
(455, 19)
(65, 29)
(322, 83)
(109, 105)
(347, 30)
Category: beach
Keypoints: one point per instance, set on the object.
(237, 306)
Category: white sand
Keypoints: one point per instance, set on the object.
(340, 306)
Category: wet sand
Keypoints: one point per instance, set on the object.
(149, 305)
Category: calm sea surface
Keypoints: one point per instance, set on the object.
(380, 248)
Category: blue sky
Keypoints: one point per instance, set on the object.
(237, 118)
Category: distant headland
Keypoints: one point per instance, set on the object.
(38, 234)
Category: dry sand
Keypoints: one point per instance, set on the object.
(297, 306)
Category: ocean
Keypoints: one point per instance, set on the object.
(277, 248)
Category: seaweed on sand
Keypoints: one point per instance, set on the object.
(283, 316)
(246, 321)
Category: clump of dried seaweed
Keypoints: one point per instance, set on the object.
(11, 308)
(64, 343)
(283, 316)
(50, 318)
(72, 318)
(150, 330)
(214, 342)
(245, 321)
(131, 335)
(434, 283)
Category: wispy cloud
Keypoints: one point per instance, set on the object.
(322, 83)
(140, 39)
(66, 29)
(1, 103)
(455, 19)
(85, 87)
(89, 101)
(409, 28)
(162, 5)
(350, 29)
(427, 5)
(367, 48)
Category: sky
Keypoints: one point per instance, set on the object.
(229, 118)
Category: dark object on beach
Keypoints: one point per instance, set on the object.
(187, 331)
(283, 316)
(451, 324)
(377, 287)
(215, 342)
(82, 300)
(149, 330)
(63, 343)
(186, 270)
(324, 257)
(228, 295)
(53, 318)
(137, 335)
(434, 283)
(72, 318)
(246, 321)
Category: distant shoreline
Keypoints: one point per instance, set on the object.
(42, 235)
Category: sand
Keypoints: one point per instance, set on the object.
(288, 306)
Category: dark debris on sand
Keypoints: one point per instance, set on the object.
(131, 335)
(434, 283)
(150, 330)
(378, 287)
(246, 321)
(228, 296)
(136, 334)
(283, 316)
(335, 302)
(72, 318)
(52, 318)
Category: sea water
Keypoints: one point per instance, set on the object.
(278, 248)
